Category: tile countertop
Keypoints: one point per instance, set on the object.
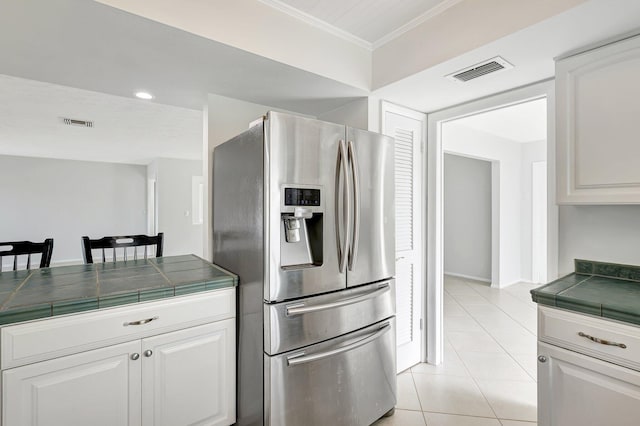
(606, 290)
(46, 292)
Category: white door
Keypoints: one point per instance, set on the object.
(98, 388)
(574, 389)
(407, 127)
(188, 376)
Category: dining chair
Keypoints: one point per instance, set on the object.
(20, 248)
(122, 242)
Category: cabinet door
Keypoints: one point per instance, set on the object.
(575, 389)
(188, 376)
(97, 388)
(597, 125)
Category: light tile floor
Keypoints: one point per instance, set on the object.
(488, 376)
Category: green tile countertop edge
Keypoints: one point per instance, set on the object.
(606, 290)
(47, 292)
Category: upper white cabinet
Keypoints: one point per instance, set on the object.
(598, 123)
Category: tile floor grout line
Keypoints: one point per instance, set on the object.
(489, 332)
(492, 338)
(473, 378)
(497, 306)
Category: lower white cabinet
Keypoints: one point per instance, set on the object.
(178, 378)
(98, 388)
(575, 389)
(188, 376)
(587, 370)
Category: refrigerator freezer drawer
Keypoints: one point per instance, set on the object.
(349, 380)
(302, 322)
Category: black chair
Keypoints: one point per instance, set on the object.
(121, 242)
(19, 248)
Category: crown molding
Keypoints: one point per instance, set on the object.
(420, 19)
(312, 20)
(347, 36)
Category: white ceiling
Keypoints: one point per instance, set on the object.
(75, 43)
(125, 130)
(88, 45)
(531, 50)
(369, 20)
(524, 122)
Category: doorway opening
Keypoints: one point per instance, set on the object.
(489, 203)
(469, 130)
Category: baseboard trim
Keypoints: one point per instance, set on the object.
(469, 277)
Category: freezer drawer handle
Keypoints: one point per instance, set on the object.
(300, 308)
(602, 341)
(303, 359)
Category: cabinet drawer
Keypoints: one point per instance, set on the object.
(50, 338)
(574, 332)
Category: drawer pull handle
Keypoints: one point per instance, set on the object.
(602, 341)
(140, 322)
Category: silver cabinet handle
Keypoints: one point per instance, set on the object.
(355, 234)
(148, 353)
(301, 358)
(542, 358)
(135, 356)
(301, 308)
(341, 169)
(602, 341)
(140, 322)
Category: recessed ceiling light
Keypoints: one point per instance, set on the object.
(144, 95)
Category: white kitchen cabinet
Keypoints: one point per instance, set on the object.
(575, 389)
(188, 376)
(585, 382)
(597, 125)
(98, 388)
(175, 378)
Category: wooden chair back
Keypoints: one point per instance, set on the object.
(121, 242)
(20, 248)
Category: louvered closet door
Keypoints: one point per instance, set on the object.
(407, 129)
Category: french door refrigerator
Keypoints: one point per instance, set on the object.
(304, 213)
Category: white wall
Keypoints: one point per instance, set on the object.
(602, 233)
(254, 26)
(531, 152)
(353, 114)
(226, 117)
(514, 170)
(467, 217)
(66, 199)
(174, 205)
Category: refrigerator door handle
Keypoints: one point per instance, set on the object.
(301, 358)
(341, 170)
(301, 308)
(355, 234)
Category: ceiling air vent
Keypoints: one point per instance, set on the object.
(478, 70)
(74, 122)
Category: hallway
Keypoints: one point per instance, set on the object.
(488, 377)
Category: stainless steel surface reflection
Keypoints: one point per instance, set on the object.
(316, 296)
(350, 380)
(299, 323)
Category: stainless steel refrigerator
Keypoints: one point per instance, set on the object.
(304, 213)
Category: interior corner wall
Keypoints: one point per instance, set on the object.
(599, 232)
(174, 206)
(467, 217)
(354, 114)
(462, 140)
(531, 152)
(226, 118)
(66, 199)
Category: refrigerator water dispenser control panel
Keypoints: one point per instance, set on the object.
(301, 197)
